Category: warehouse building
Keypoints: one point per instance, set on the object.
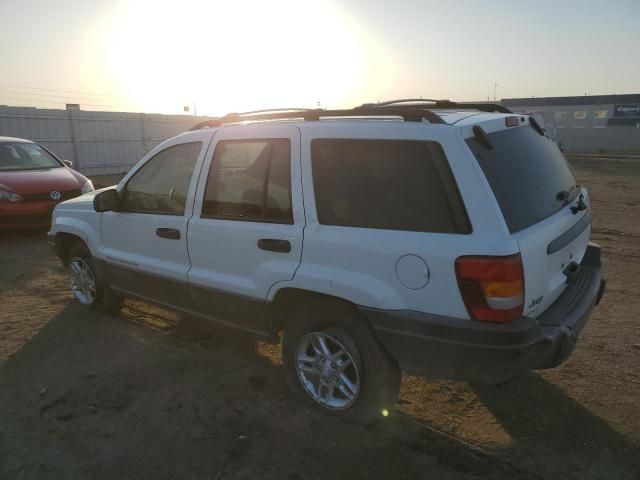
(590, 123)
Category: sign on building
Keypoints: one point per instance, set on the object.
(626, 110)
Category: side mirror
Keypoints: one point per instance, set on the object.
(106, 201)
(68, 163)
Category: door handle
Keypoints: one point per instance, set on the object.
(274, 245)
(169, 233)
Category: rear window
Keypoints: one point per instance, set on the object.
(386, 184)
(526, 171)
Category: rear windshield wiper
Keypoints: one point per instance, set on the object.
(564, 195)
(536, 126)
(481, 137)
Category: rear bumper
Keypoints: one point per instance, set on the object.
(445, 347)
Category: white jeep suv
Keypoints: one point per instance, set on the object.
(441, 239)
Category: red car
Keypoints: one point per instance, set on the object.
(33, 181)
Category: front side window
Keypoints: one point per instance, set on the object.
(250, 180)
(25, 156)
(386, 184)
(162, 184)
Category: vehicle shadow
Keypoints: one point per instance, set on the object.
(97, 396)
(24, 234)
(556, 437)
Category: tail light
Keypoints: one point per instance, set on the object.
(492, 287)
(512, 121)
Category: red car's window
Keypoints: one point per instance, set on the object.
(25, 156)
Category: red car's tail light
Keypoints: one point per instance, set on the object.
(492, 288)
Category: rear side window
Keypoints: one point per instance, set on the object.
(250, 180)
(386, 184)
(526, 171)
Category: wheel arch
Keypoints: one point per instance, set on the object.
(288, 298)
(63, 243)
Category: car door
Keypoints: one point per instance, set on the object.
(145, 241)
(246, 231)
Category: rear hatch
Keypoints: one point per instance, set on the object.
(545, 209)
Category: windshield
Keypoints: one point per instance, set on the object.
(25, 156)
(528, 173)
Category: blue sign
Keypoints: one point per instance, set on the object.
(626, 111)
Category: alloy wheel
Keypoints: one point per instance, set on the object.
(327, 371)
(83, 284)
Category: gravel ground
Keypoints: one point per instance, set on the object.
(142, 394)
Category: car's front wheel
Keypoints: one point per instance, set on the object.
(334, 361)
(87, 284)
(82, 281)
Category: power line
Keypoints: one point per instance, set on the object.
(38, 100)
(93, 94)
(30, 100)
(48, 95)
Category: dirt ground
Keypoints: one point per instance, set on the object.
(85, 395)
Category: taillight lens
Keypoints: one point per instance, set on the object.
(492, 287)
(512, 121)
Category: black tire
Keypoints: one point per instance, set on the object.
(378, 373)
(106, 300)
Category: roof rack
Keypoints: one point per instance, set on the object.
(440, 105)
(417, 111)
(401, 100)
(265, 114)
(408, 114)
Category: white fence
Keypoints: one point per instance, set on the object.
(98, 143)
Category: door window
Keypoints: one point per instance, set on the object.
(162, 184)
(250, 180)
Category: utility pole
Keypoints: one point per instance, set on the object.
(495, 89)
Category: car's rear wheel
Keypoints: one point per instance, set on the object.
(328, 365)
(334, 361)
(87, 283)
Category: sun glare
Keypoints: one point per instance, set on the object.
(232, 56)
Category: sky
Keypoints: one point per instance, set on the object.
(238, 55)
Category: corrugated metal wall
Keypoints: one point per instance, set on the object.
(98, 143)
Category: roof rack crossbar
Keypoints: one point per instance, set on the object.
(270, 110)
(269, 113)
(440, 104)
(401, 100)
(483, 107)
